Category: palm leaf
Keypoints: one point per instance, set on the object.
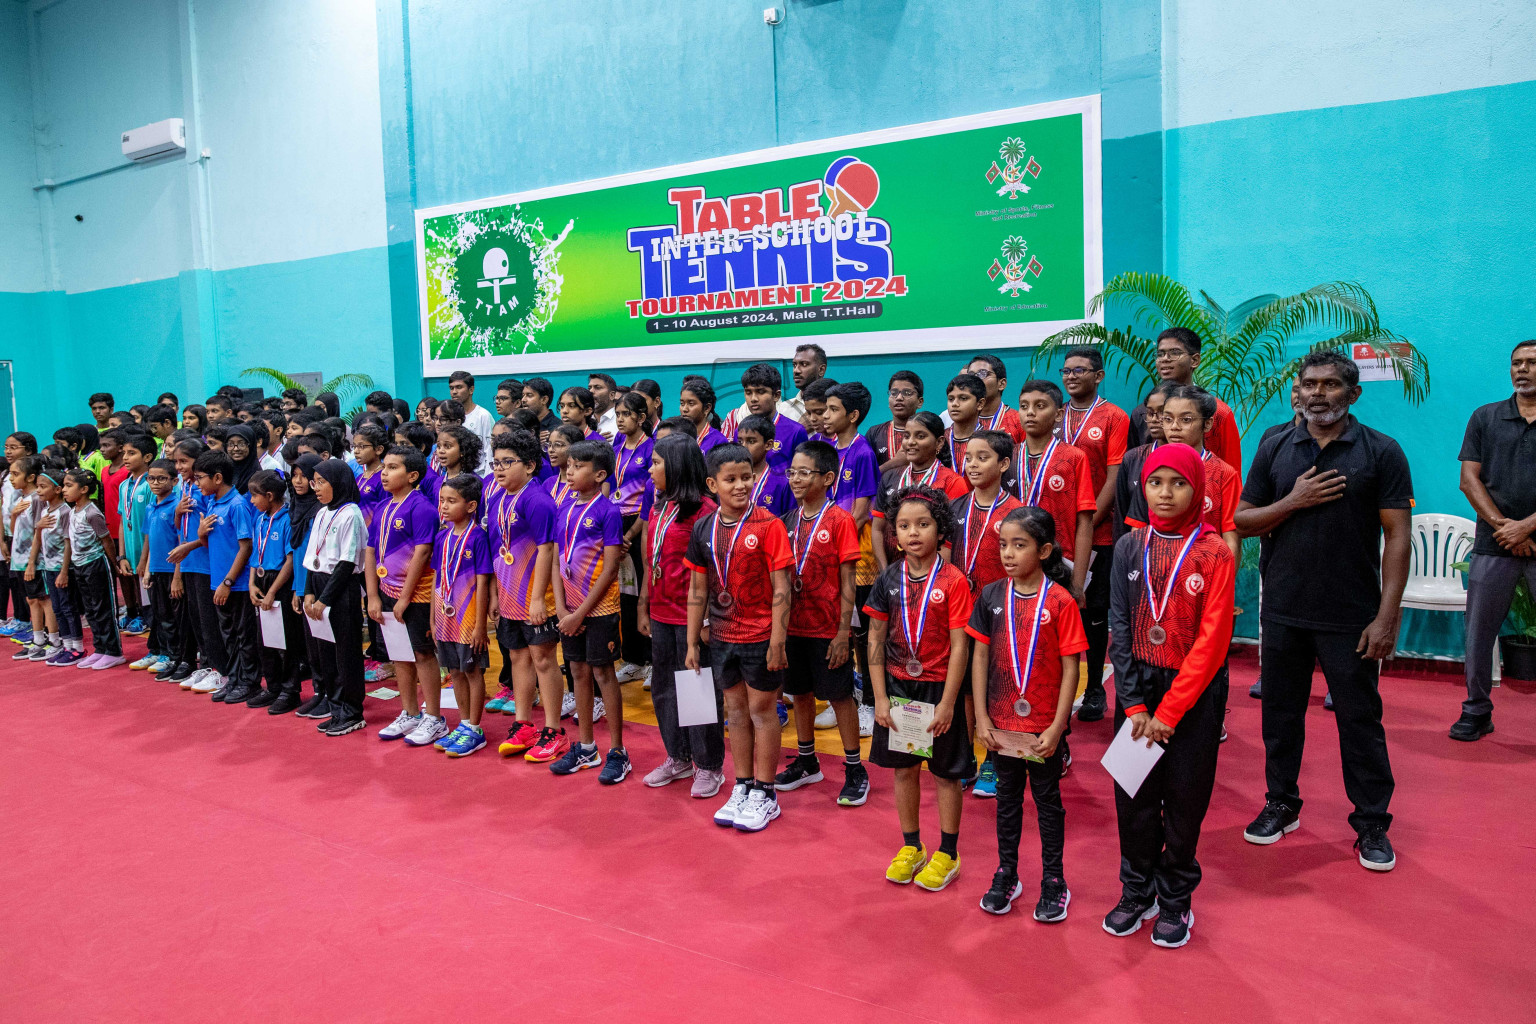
(347, 384)
(1156, 302)
(280, 380)
(1134, 357)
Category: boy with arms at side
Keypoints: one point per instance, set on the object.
(271, 587)
(904, 397)
(133, 500)
(398, 576)
(591, 543)
(854, 490)
(1055, 476)
(167, 610)
(226, 529)
(825, 547)
(741, 562)
(964, 398)
(814, 398)
(770, 488)
(461, 600)
(762, 386)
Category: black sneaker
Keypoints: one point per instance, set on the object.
(801, 771)
(1472, 727)
(1375, 849)
(316, 707)
(1274, 821)
(181, 674)
(168, 674)
(342, 724)
(855, 787)
(239, 694)
(1256, 691)
(1128, 914)
(1093, 706)
(222, 692)
(1005, 889)
(262, 698)
(1172, 928)
(1054, 897)
(284, 703)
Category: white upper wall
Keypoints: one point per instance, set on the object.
(1224, 60)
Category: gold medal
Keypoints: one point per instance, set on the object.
(506, 555)
(381, 572)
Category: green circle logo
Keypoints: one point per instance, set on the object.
(496, 284)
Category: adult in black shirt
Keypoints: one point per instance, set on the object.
(1498, 476)
(1256, 691)
(1325, 492)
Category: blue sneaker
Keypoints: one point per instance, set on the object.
(448, 738)
(466, 740)
(783, 714)
(575, 759)
(23, 636)
(986, 782)
(615, 767)
(10, 627)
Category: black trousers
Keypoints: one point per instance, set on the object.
(166, 614)
(187, 622)
(241, 633)
(98, 597)
(1160, 825)
(67, 607)
(339, 666)
(130, 589)
(1044, 779)
(702, 745)
(1096, 618)
(281, 667)
(210, 642)
(1289, 656)
(15, 582)
(634, 646)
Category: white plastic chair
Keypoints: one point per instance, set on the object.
(1438, 542)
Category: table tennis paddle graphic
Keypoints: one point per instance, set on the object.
(853, 185)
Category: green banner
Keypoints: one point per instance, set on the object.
(951, 234)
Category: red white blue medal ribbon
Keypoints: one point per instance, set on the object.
(1157, 634)
(1030, 486)
(915, 634)
(1066, 427)
(1021, 707)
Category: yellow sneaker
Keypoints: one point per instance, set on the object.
(905, 864)
(941, 870)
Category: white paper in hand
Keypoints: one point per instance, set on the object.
(321, 627)
(397, 639)
(695, 697)
(272, 627)
(1129, 761)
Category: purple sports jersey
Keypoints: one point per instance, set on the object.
(397, 527)
(631, 475)
(772, 491)
(371, 493)
(787, 436)
(457, 560)
(858, 474)
(518, 524)
(585, 528)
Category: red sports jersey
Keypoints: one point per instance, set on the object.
(1061, 635)
(760, 547)
(976, 555)
(894, 481)
(1065, 490)
(669, 590)
(1004, 419)
(1196, 625)
(949, 607)
(816, 587)
(1099, 432)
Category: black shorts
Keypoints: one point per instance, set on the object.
(418, 626)
(860, 599)
(457, 657)
(32, 589)
(596, 644)
(808, 671)
(743, 663)
(953, 756)
(516, 634)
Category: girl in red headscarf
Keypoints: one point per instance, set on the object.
(1170, 619)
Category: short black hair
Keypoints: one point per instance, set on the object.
(606, 378)
(467, 484)
(1205, 402)
(316, 442)
(215, 463)
(760, 425)
(462, 375)
(269, 483)
(540, 387)
(968, 382)
(168, 394)
(219, 400)
(379, 400)
(522, 444)
(1347, 367)
(511, 384)
(141, 441)
(1045, 387)
(817, 389)
(1522, 344)
(993, 363)
(724, 455)
(763, 375)
(937, 503)
(104, 397)
(164, 465)
(855, 398)
(417, 434)
(160, 414)
(816, 350)
(678, 425)
(70, 436)
(909, 377)
(821, 454)
(598, 453)
(1089, 352)
(411, 458)
(1184, 336)
(999, 441)
(298, 395)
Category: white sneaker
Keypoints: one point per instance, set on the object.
(404, 723)
(669, 771)
(598, 710)
(827, 719)
(210, 682)
(627, 672)
(568, 705)
(144, 663)
(866, 720)
(197, 676)
(758, 811)
(428, 729)
(725, 817)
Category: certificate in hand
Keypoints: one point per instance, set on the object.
(910, 721)
(1017, 744)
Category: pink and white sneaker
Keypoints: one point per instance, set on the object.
(89, 661)
(106, 661)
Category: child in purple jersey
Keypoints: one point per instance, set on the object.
(461, 585)
(857, 484)
(560, 441)
(591, 542)
(770, 487)
(399, 584)
(762, 387)
(521, 523)
(369, 443)
(632, 493)
(696, 403)
(422, 438)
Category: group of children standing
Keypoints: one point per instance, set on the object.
(915, 567)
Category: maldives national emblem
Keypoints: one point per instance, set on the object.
(1013, 267)
(1011, 152)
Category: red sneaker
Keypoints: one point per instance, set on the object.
(551, 745)
(521, 736)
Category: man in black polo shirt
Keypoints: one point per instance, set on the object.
(1498, 476)
(1325, 492)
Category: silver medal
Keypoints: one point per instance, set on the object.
(799, 585)
(1021, 707)
(1158, 635)
(724, 599)
(914, 668)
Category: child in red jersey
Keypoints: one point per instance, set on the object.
(1051, 474)
(921, 658)
(919, 465)
(1028, 637)
(1188, 414)
(1170, 620)
(979, 515)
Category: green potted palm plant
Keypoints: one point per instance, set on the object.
(345, 387)
(1517, 650)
